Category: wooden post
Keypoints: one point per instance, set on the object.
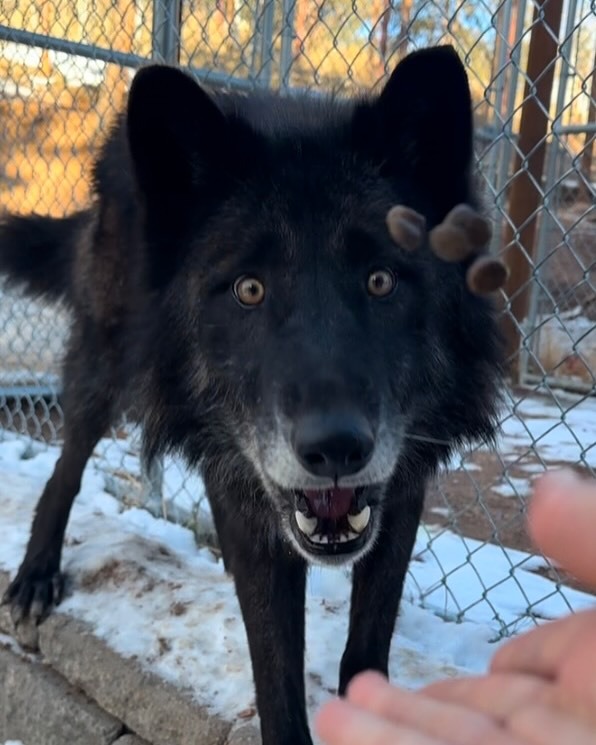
(525, 193)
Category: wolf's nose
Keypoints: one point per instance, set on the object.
(333, 445)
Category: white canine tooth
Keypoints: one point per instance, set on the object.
(307, 525)
(360, 521)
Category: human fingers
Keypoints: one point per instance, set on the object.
(562, 521)
(542, 724)
(548, 650)
(454, 721)
(496, 695)
(342, 723)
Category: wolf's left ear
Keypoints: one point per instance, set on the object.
(422, 124)
(177, 134)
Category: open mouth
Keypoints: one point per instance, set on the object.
(333, 520)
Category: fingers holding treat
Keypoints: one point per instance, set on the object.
(406, 226)
(485, 275)
(463, 235)
(477, 228)
(450, 243)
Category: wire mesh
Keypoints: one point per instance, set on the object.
(64, 72)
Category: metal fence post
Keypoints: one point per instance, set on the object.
(502, 23)
(502, 175)
(152, 473)
(264, 43)
(287, 36)
(167, 17)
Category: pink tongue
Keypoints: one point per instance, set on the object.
(331, 504)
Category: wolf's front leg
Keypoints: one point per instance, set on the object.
(378, 581)
(270, 582)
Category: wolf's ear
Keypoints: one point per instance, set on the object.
(175, 131)
(422, 124)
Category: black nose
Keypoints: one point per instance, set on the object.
(333, 444)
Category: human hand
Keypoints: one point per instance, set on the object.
(541, 688)
(462, 237)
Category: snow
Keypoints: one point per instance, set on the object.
(565, 344)
(552, 428)
(512, 487)
(560, 429)
(172, 606)
(487, 583)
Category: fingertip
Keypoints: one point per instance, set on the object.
(557, 480)
(450, 243)
(328, 716)
(500, 659)
(486, 275)
(561, 519)
(364, 686)
(549, 499)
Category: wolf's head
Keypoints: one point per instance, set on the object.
(336, 361)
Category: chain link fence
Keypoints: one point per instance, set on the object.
(65, 68)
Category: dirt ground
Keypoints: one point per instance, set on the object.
(466, 503)
(475, 509)
(467, 500)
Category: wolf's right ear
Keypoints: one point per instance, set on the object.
(175, 131)
(419, 129)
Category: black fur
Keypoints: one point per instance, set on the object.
(319, 402)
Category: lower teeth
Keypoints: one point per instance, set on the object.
(338, 538)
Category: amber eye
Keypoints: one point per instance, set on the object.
(381, 283)
(249, 291)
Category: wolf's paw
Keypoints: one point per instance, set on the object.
(462, 236)
(30, 597)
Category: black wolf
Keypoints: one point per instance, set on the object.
(235, 283)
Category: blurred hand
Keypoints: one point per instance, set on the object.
(541, 687)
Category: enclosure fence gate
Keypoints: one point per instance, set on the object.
(65, 68)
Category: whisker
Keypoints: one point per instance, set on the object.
(426, 438)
